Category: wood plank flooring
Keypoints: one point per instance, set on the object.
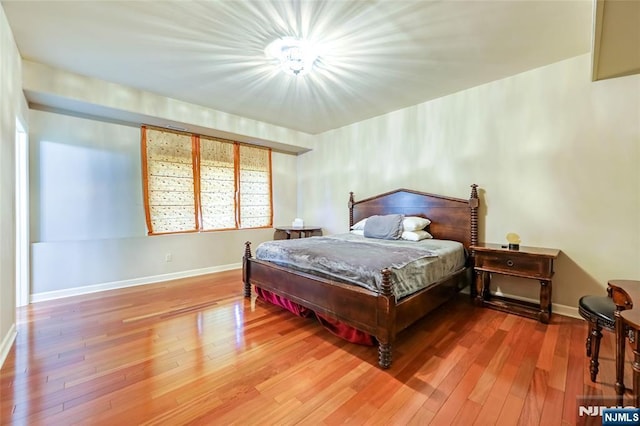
(195, 351)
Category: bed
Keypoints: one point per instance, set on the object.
(377, 312)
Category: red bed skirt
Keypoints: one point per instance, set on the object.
(336, 327)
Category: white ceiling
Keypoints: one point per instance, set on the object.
(381, 55)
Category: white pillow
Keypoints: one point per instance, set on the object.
(416, 235)
(359, 226)
(357, 232)
(415, 223)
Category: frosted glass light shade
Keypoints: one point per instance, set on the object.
(295, 57)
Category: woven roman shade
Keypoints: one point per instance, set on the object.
(199, 183)
(168, 168)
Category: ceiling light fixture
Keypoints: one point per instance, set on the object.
(296, 57)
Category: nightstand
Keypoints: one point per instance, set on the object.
(534, 263)
(288, 232)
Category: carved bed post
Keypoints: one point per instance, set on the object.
(246, 269)
(351, 203)
(384, 348)
(474, 203)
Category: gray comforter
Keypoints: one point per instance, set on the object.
(358, 260)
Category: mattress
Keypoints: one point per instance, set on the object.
(358, 260)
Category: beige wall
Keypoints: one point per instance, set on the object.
(556, 157)
(81, 242)
(12, 106)
(87, 214)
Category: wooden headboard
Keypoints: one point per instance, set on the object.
(451, 218)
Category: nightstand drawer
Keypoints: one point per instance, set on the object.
(515, 263)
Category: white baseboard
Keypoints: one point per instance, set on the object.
(568, 311)
(556, 308)
(564, 310)
(76, 291)
(7, 342)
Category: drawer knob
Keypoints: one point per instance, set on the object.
(509, 262)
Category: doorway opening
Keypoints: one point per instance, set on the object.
(22, 215)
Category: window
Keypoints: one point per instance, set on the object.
(196, 183)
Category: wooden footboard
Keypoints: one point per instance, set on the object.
(368, 311)
(354, 305)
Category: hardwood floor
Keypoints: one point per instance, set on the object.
(196, 351)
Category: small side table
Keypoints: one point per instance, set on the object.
(631, 321)
(623, 293)
(528, 262)
(286, 232)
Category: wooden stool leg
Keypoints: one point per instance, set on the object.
(620, 345)
(588, 342)
(596, 334)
